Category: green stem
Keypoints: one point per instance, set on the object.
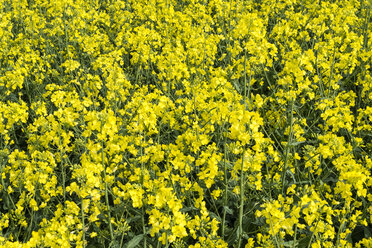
(62, 164)
(289, 141)
(144, 227)
(295, 237)
(241, 207)
(226, 188)
(83, 221)
(143, 207)
(106, 187)
(272, 229)
(242, 175)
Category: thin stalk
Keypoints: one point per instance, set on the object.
(331, 72)
(272, 229)
(295, 237)
(365, 27)
(29, 228)
(312, 236)
(241, 205)
(289, 141)
(229, 32)
(62, 164)
(123, 233)
(106, 188)
(242, 175)
(226, 188)
(144, 227)
(3, 183)
(224, 161)
(143, 207)
(83, 222)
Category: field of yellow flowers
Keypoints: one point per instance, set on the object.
(196, 123)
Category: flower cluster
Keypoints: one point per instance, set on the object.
(168, 123)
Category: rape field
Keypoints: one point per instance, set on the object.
(197, 123)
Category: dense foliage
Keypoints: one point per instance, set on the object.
(197, 123)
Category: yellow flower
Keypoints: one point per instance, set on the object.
(33, 205)
(216, 193)
(136, 195)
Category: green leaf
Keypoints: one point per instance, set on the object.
(291, 243)
(302, 243)
(134, 241)
(228, 210)
(237, 86)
